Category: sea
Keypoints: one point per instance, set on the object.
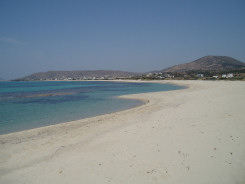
(28, 105)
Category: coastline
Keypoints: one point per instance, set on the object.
(194, 135)
(71, 108)
(51, 126)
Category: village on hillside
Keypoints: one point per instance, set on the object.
(205, 68)
(196, 75)
(187, 75)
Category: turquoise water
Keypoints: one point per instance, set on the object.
(27, 105)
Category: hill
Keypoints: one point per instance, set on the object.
(82, 74)
(208, 63)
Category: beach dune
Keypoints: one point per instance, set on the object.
(194, 135)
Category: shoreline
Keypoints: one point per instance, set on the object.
(46, 127)
(180, 136)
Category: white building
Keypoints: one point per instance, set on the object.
(149, 75)
(223, 75)
(200, 75)
(229, 75)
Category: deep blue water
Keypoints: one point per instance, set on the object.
(26, 105)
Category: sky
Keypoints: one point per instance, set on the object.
(128, 35)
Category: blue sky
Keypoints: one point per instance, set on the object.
(134, 35)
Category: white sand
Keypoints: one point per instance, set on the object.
(196, 135)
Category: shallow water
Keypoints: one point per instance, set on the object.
(27, 105)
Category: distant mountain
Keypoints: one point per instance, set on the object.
(83, 74)
(211, 63)
(207, 63)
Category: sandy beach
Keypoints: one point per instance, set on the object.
(194, 135)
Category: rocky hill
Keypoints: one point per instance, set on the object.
(83, 74)
(208, 63)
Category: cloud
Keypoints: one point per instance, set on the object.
(9, 40)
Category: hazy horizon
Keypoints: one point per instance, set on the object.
(134, 36)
